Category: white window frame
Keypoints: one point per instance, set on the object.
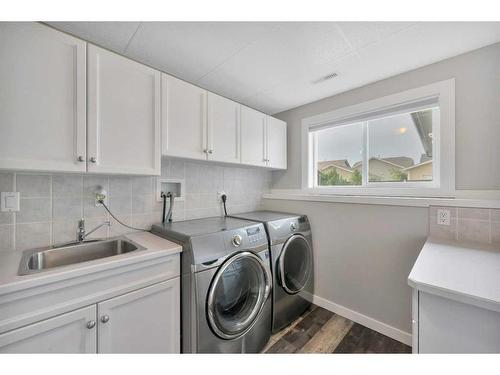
(443, 183)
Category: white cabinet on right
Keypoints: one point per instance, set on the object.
(456, 298)
(447, 326)
(276, 143)
(197, 124)
(253, 137)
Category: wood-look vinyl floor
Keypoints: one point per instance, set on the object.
(321, 331)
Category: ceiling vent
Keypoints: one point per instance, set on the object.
(326, 78)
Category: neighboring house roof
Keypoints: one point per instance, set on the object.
(400, 161)
(418, 165)
(425, 158)
(341, 164)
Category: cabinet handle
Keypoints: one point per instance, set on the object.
(91, 324)
(81, 159)
(105, 318)
(93, 160)
(210, 151)
(205, 151)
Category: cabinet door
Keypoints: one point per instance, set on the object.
(276, 143)
(143, 321)
(42, 99)
(74, 332)
(253, 137)
(184, 130)
(447, 326)
(223, 129)
(123, 115)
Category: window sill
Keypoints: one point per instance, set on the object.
(297, 195)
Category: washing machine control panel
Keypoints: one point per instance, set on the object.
(246, 237)
(255, 234)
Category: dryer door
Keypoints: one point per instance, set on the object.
(295, 264)
(237, 295)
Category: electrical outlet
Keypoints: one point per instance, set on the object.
(97, 202)
(443, 217)
(10, 201)
(219, 196)
(100, 194)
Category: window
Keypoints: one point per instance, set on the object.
(393, 145)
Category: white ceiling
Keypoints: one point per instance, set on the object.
(275, 66)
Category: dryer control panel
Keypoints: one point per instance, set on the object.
(255, 234)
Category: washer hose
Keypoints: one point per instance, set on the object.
(224, 198)
(167, 217)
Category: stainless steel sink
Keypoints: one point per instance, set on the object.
(39, 260)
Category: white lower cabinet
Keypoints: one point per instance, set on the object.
(442, 325)
(146, 320)
(73, 332)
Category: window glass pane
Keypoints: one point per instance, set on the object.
(339, 153)
(400, 147)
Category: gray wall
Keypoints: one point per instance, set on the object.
(52, 204)
(477, 80)
(364, 253)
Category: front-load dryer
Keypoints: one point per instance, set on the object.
(290, 241)
(226, 284)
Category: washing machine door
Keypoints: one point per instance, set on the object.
(295, 264)
(237, 295)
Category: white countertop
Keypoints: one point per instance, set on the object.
(10, 281)
(468, 273)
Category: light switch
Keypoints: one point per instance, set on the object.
(9, 201)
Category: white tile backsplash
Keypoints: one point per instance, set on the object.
(470, 230)
(33, 210)
(33, 185)
(6, 237)
(52, 204)
(32, 235)
(6, 181)
(67, 186)
(67, 208)
(467, 224)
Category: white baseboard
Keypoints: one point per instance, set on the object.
(357, 317)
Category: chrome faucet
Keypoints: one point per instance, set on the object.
(81, 234)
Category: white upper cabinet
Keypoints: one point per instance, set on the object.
(253, 137)
(223, 129)
(276, 143)
(184, 116)
(66, 106)
(123, 115)
(42, 99)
